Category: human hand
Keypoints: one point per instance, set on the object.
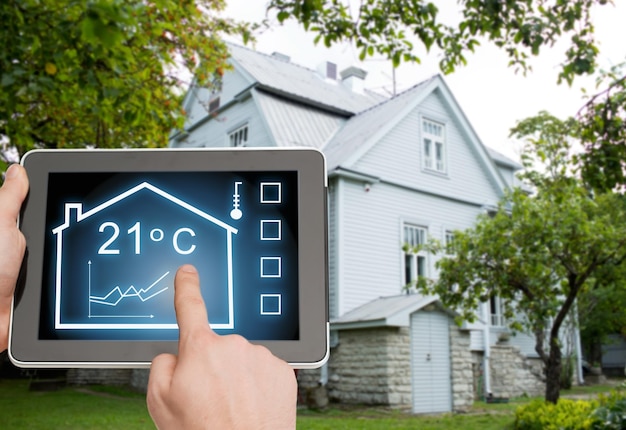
(12, 243)
(219, 382)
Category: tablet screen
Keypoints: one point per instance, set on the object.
(106, 231)
(115, 240)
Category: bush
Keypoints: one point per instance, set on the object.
(606, 413)
(611, 414)
(565, 415)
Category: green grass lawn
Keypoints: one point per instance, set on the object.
(376, 418)
(70, 409)
(102, 408)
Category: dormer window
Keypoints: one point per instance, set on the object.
(433, 146)
(239, 137)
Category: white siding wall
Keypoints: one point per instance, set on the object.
(234, 84)
(371, 242)
(525, 343)
(214, 133)
(197, 104)
(477, 342)
(398, 157)
(508, 174)
(332, 249)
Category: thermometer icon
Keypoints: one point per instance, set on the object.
(236, 212)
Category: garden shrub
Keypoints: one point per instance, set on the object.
(606, 413)
(611, 414)
(565, 415)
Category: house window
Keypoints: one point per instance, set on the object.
(449, 241)
(239, 137)
(496, 309)
(414, 260)
(214, 105)
(433, 145)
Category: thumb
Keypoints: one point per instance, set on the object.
(12, 194)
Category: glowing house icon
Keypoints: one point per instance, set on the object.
(114, 263)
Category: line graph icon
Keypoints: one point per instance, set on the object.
(116, 296)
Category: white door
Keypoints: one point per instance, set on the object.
(430, 362)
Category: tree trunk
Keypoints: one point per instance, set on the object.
(553, 372)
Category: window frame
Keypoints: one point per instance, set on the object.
(238, 137)
(414, 264)
(496, 312)
(435, 152)
(448, 241)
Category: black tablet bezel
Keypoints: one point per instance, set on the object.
(310, 351)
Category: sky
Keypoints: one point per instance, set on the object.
(492, 95)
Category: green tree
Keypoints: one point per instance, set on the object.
(538, 252)
(395, 29)
(104, 73)
(601, 312)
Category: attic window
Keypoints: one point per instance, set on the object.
(214, 105)
(239, 137)
(433, 146)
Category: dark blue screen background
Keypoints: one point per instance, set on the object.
(115, 240)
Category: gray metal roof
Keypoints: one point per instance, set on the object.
(294, 124)
(363, 126)
(301, 83)
(303, 109)
(384, 311)
(502, 159)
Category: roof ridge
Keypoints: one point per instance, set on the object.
(397, 96)
(271, 57)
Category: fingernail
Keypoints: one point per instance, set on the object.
(12, 171)
(188, 268)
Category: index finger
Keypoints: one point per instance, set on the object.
(190, 308)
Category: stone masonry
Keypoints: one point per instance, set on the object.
(373, 366)
(462, 369)
(513, 374)
(98, 376)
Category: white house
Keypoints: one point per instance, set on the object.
(401, 169)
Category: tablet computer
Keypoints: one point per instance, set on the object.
(106, 231)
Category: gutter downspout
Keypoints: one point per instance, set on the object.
(487, 353)
(324, 375)
(579, 349)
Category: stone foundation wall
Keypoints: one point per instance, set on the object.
(462, 368)
(98, 376)
(399, 367)
(371, 367)
(139, 379)
(513, 374)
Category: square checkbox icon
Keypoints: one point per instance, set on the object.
(271, 304)
(271, 267)
(271, 229)
(271, 192)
